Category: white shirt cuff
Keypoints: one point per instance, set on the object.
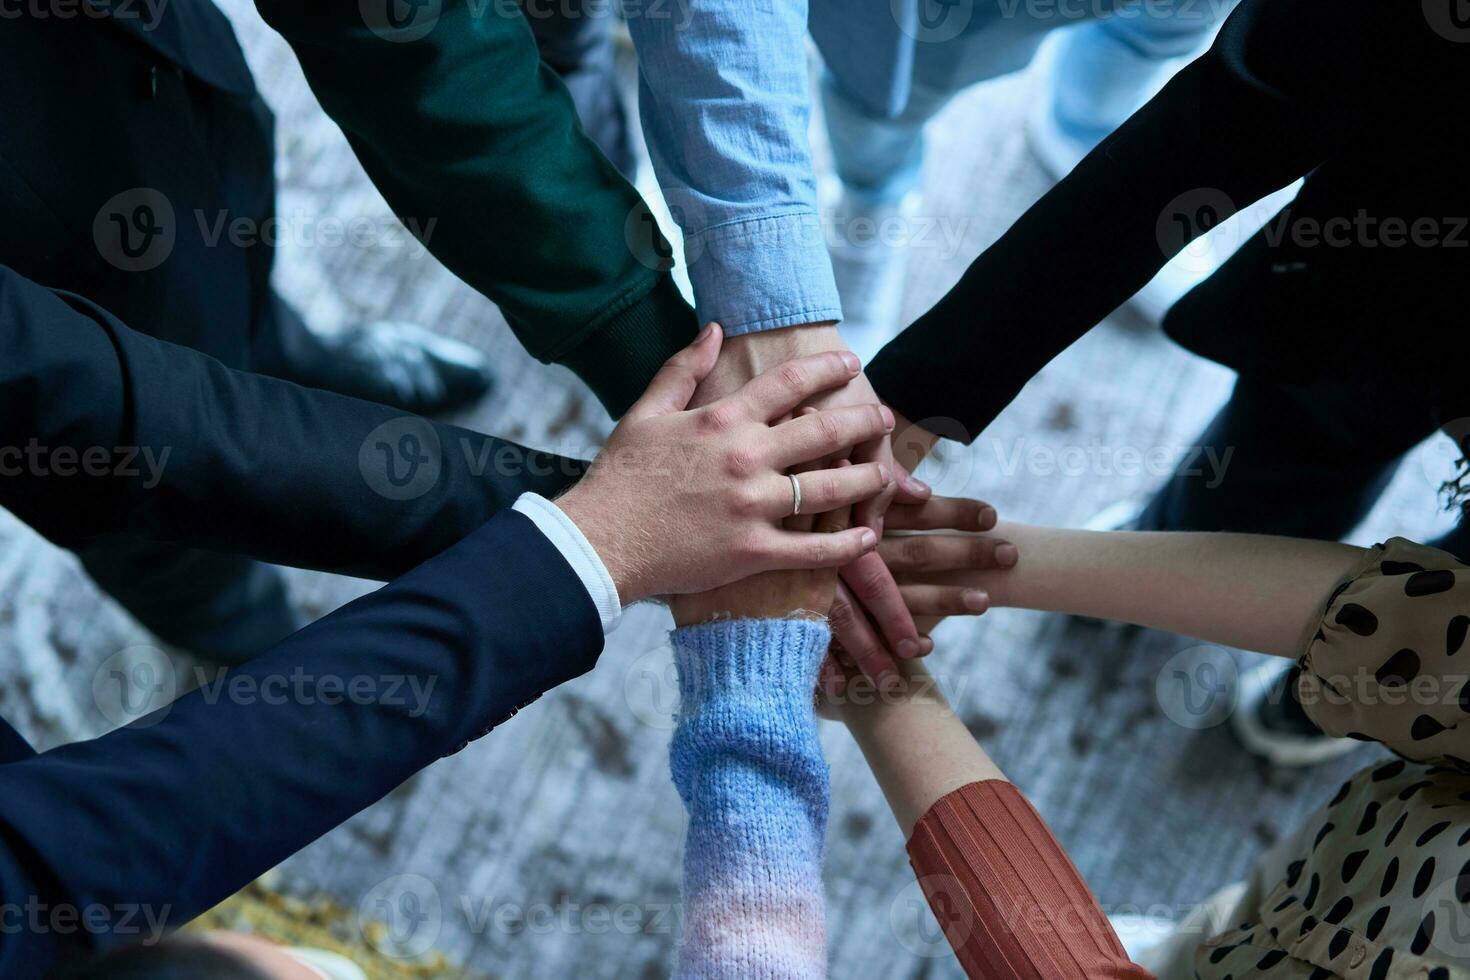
(562, 532)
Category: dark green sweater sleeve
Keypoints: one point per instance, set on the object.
(475, 144)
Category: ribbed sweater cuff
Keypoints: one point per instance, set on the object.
(621, 355)
(1008, 898)
(772, 660)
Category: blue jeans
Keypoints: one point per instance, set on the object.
(1102, 65)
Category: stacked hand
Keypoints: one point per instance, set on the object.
(871, 619)
(692, 498)
(686, 499)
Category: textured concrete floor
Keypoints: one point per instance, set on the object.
(551, 849)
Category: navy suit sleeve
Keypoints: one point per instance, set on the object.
(186, 806)
(1285, 85)
(105, 430)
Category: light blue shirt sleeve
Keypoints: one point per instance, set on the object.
(725, 100)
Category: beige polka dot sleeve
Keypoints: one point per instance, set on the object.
(1389, 662)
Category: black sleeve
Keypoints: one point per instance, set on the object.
(1286, 84)
(105, 430)
(152, 824)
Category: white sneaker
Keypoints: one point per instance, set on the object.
(869, 245)
(1141, 933)
(1271, 723)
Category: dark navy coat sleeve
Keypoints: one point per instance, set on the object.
(170, 815)
(105, 430)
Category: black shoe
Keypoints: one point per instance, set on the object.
(1271, 722)
(393, 363)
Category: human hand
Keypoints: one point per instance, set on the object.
(744, 357)
(683, 500)
(914, 563)
(748, 355)
(911, 443)
(845, 693)
(790, 594)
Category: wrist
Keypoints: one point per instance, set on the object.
(600, 532)
(774, 661)
(767, 348)
(745, 356)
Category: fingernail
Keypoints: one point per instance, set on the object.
(917, 485)
(851, 360)
(703, 333)
(870, 540)
(988, 517)
(908, 649)
(976, 600)
(1006, 555)
(887, 414)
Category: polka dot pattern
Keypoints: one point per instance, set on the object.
(1382, 662)
(1376, 886)
(1344, 903)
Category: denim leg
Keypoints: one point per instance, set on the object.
(1105, 69)
(878, 157)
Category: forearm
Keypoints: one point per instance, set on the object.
(748, 764)
(1215, 139)
(725, 106)
(175, 812)
(1255, 592)
(226, 460)
(1008, 898)
(469, 135)
(918, 748)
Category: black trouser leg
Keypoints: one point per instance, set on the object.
(224, 608)
(1302, 460)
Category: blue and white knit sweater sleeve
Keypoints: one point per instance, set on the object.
(748, 764)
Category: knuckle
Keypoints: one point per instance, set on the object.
(744, 500)
(870, 581)
(830, 428)
(719, 418)
(914, 552)
(825, 488)
(792, 376)
(841, 615)
(819, 550)
(742, 462)
(979, 552)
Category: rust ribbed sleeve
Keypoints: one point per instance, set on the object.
(1009, 899)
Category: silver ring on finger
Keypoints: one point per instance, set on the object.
(795, 495)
